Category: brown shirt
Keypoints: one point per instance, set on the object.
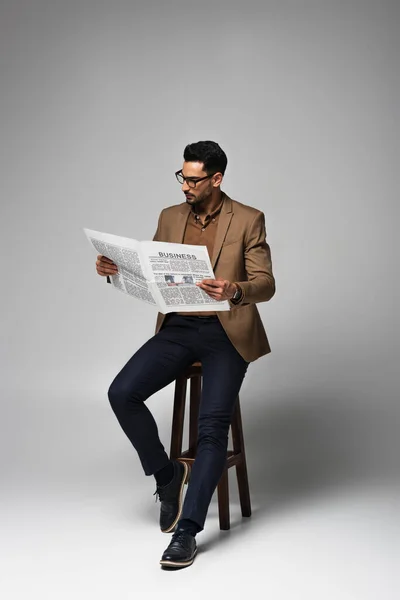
(202, 234)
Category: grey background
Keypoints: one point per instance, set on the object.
(98, 100)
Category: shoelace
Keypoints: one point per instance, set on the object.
(161, 493)
(180, 536)
(158, 494)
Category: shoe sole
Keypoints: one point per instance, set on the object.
(171, 563)
(185, 479)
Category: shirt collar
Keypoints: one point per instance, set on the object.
(215, 212)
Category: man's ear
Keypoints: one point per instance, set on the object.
(217, 179)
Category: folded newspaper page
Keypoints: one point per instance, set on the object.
(159, 273)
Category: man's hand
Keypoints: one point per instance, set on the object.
(105, 266)
(219, 289)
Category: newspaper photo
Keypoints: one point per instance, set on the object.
(160, 273)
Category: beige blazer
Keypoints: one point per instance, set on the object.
(240, 255)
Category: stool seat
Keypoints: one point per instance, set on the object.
(235, 457)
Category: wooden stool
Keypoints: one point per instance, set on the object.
(235, 457)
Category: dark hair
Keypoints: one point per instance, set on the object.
(209, 153)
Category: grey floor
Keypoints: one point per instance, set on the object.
(79, 519)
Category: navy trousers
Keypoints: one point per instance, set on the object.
(181, 341)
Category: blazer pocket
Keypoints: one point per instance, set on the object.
(230, 243)
(243, 306)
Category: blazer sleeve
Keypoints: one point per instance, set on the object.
(158, 236)
(260, 284)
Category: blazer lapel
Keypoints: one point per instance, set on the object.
(178, 228)
(223, 225)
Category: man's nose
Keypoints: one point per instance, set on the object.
(185, 186)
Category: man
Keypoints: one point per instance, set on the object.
(225, 342)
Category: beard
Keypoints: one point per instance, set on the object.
(197, 200)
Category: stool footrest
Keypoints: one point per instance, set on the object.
(232, 459)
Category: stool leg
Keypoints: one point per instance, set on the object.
(223, 501)
(178, 418)
(241, 467)
(195, 394)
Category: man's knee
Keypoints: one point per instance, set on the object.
(120, 395)
(213, 430)
(115, 395)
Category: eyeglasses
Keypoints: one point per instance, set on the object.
(189, 180)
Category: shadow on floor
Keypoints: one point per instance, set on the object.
(303, 446)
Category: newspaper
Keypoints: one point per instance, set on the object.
(159, 273)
